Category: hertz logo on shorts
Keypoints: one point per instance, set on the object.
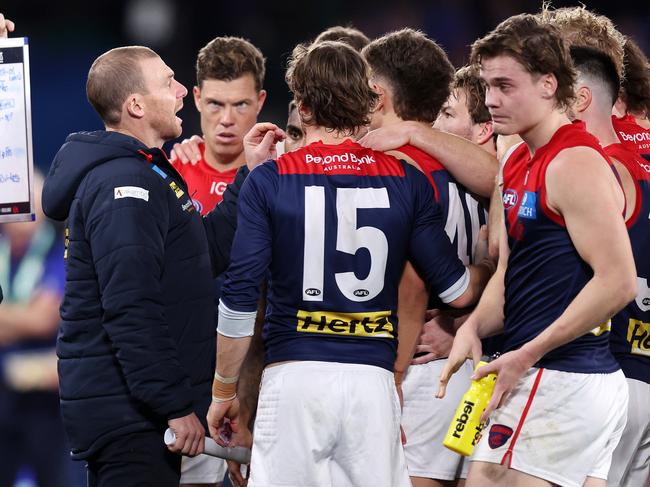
(638, 334)
(376, 325)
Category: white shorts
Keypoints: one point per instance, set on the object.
(426, 419)
(631, 461)
(202, 469)
(559, 426)
(327, 424)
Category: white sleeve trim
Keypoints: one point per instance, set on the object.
(456, 289)
(235, 324)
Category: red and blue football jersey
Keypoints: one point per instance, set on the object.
(632, 135)
(545, 271)
(463, 213)
(630, 336)
(335, 224)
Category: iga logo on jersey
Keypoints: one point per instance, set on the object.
(218, 187)
(509, 198)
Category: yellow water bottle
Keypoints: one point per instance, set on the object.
(465, 429)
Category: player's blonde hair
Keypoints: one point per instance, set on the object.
(583, 28)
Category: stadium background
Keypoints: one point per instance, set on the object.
(65, 38)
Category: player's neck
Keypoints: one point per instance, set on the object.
(391, 118)
(326, 136)
(223, 163)
(540, 134)
(600, 125)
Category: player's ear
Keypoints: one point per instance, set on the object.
(548, 84)
(485, 133)
(196, 91)
(583, 99)
(261, 97)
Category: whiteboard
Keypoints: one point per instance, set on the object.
(16, 156)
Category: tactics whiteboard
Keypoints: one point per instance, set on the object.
(16, 157)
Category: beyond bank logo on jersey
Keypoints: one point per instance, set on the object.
(372, 324)
(347, 160)
(509, 198)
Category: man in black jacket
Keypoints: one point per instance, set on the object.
(137, 341)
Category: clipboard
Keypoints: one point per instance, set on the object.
(16, 154)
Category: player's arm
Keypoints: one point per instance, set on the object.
(485, 320)
(470, 165)
(583, 190)
(411, 307)
(240, 293)
(221, 223)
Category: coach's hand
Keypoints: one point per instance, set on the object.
(190, 435)
(188, 151)
(510, 368)
(467, 344)
(221, 413)
(6, 26)
(390, 137)
(259, 143)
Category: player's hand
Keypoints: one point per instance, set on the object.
(259, 143)
(242, 438)
(188, 151)
(481, 252)
(467, 344)
(223, 415)
(391, 137)
(6, 26)
(510, 368)
(436, 339)
(190, 435)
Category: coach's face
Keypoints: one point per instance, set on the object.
(164, 98)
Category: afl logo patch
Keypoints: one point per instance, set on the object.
(198, 205)
(509, 198)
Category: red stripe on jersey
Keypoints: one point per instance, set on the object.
(428, 164)
(508, 454)
(346, 158)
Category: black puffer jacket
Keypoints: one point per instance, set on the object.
(137, 342)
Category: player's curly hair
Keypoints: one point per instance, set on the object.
(351, 36)
(112, 77)
(635, 88)
(229, 58)
(417, 70)
(537, 46)
(329, 82)
(467, 79)
(583, 28)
